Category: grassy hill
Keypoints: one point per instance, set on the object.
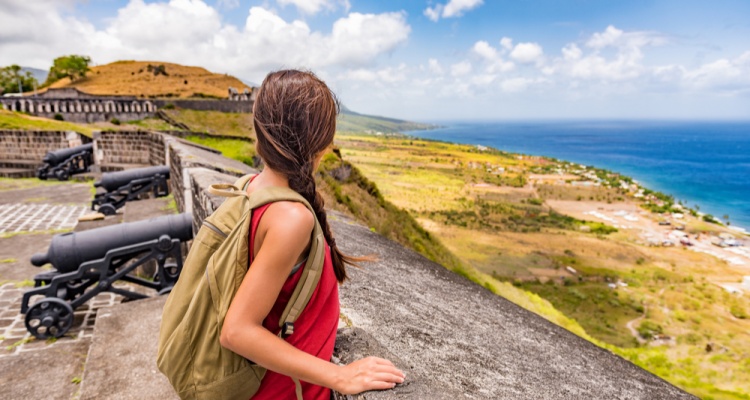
(135, 78)
(15, 120)
(350, 121)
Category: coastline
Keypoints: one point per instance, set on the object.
(656, 182)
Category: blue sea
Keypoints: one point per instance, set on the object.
(701, 163)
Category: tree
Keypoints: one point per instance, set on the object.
(12, 80)
(73, 66)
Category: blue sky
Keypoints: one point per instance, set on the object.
(428, 60)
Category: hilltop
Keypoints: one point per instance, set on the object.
(150, 79)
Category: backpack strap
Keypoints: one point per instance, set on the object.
(315, 258)
(231, 190)
(313, 266)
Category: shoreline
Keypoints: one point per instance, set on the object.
(743, 228)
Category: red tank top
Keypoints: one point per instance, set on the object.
(314, 330)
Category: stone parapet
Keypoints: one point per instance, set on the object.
(33, 145)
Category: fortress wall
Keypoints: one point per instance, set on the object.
(86, 109)
(184, 157)
(22, 145)
(124, 147)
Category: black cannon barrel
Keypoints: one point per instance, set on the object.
(58, 156)
(69, 250)
(114, 180)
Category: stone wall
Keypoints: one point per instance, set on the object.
(185, 156)
(114, 148)
(20, 145)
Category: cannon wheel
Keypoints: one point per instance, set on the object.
(107, 209)
(41, 175)
(48, 318)
(62, 175)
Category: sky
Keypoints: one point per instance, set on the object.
(428, 60)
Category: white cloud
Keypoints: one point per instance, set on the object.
(571, 52)
(493, 62)
(625, 65)
(506, 43)
(434, 66)
(312, 7)
(513, 85)
(723, 75)
(453, 9)
(192, 32)
(613, 37)
(433, 13)
(359, 38)
(484, 50)
(461, 69)
(527, 53)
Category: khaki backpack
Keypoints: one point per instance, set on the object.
(189, 353)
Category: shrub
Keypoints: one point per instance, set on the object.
(168, 106)
(647, 329)
(115, 121)
(738, 311)
(58, 117)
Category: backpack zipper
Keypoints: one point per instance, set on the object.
(214, 228)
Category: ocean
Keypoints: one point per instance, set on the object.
(701, 163)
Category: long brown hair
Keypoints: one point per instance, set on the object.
(295, 120)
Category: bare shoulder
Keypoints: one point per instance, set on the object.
(290, 215)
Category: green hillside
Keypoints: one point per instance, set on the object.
(350, 121)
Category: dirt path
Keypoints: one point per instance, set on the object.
(633, 331)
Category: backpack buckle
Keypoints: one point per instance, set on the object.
(287, 329)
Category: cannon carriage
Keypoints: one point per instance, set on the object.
(123, 186)
(62, 164)
(91, 262)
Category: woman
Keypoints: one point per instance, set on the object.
(294, 120)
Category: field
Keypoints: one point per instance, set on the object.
(521, 221)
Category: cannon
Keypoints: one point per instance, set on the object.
(90, 262)
(123, 186)
(64, 163)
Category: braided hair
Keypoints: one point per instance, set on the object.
(295, 120)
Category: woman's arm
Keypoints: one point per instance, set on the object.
(287, 228)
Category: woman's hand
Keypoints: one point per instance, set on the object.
(371, 373)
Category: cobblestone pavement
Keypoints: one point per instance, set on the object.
(15, 337)
(21, 217)
(32, 210)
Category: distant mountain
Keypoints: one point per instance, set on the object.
(39, 74)
(351, 121)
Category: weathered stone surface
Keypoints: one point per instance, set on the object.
(457, 337)
(184, 155)
(122, 358)
(49, 373)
